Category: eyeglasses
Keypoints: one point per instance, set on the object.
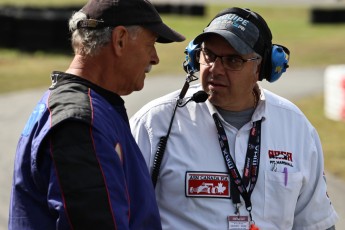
(231, 62)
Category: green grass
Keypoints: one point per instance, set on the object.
(331, 133)
(20, 71)
(310, 45)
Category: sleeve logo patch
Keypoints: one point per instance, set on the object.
(34, 117)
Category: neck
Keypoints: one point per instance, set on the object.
(95, 70)
(85, 67)
(237, 119)
(242, 104)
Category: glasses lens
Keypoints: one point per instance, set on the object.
(206, 57)
(232, 62)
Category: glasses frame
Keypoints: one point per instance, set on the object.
(226, 66)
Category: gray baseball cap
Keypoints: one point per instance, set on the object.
(241, 33)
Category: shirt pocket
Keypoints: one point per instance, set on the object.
(281, 195)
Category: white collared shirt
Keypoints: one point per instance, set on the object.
(192, 189)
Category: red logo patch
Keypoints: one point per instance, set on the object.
(280, 158)
(205, 184)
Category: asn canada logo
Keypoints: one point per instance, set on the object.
(206, 184)
(280, 158)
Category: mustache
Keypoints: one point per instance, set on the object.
(148, 68)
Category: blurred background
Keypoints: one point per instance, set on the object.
(34, 41)
(35, 38)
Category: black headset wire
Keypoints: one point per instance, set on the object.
(163, 140)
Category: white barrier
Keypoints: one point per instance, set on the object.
(334, 80)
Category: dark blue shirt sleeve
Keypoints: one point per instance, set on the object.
(82, 183)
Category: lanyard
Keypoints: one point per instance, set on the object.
(251, 169)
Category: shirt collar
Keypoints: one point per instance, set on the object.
(259, 112)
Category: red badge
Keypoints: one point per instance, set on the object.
(206, 184)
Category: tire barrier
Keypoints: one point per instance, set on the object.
(32, 29)
(193, 10)
(328, 15)
(46, 29)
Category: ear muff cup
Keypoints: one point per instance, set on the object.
(279, 62)
(191, 63)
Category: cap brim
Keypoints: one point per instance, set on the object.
(165, 33)
(240, 46)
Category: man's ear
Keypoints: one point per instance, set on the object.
(120, 38)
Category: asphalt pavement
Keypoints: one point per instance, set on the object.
(17, 106)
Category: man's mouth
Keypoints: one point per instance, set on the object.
(215, 84)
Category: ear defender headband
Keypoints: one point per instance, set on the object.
(275, 57)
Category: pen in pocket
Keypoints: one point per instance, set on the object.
(285, 175)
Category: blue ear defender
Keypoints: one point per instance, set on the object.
(279, 59)
(191, 65)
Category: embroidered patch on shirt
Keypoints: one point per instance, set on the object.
(207, 184)
(279, 158)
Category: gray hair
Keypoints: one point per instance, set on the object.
(88, 42)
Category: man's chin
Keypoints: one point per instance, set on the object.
(216, 97)
(139, 87)
(213, 97)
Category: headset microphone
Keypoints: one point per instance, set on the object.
(200, 96)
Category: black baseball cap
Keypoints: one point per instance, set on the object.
(239, 32)
(104, 13)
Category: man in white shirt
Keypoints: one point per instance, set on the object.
(246, 158)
